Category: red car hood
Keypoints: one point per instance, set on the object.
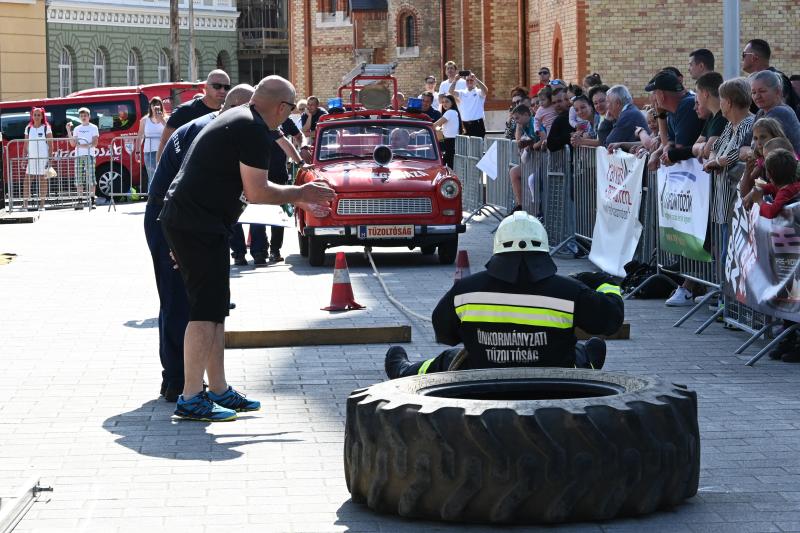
(368, 176)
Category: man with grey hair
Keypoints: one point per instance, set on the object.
(225, 169)
(218, 83)
(625, 114)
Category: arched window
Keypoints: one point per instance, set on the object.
(163, 67)
(223, 60)
(409, 32)
(65, 72)
(100, 64)
(133, 68)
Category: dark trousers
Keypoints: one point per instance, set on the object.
(173, 309)
(475, 128)
(443, 362)
(258, 240)
(448, 148)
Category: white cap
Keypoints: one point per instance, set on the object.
(520, 232)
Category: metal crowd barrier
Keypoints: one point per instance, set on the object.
(44, 181)
(534, 173)
(498, 191)
(128, 177)
(470, 150)
(585, 176)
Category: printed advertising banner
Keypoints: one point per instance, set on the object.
(683, 204)
(619, 196)
(761, 267)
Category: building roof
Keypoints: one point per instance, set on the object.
(368, 5)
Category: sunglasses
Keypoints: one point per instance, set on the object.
(218, 86)
(516, 100)
(557, 82)
(745, 54)
(544, 73)
(430, 80)
(292, 106)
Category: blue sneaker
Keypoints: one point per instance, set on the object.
(200, 408)
(232, 399)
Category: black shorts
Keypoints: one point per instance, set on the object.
(205, 267)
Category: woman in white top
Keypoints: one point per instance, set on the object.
(39, 136)
(450, 126)
(150, 128)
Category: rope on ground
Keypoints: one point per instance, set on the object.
(388, 293)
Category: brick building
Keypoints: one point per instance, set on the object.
(506, 41)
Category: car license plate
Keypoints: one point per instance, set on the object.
(397, 231)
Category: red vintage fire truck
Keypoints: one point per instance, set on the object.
(385, 165)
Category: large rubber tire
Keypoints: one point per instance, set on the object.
(302, 240)
(316, 251)
(448, 251)
(510, 460)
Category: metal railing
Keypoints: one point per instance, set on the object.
(46, 175)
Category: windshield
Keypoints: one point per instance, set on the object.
(354, 141)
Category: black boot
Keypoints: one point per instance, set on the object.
(596, 352)
(396, 363)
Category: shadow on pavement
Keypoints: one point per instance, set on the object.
(142, 324)
(150, 430)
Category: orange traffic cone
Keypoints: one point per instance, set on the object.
(342, 298)
(462, 266)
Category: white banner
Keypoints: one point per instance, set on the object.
(619, 195)
(683, 200)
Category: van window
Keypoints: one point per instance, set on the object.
(117, 115)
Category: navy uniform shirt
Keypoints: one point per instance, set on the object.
(174, 152)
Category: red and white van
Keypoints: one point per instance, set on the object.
(115, 115)
(184, 91)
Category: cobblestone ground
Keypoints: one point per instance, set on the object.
(80, 378)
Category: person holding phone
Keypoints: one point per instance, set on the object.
(471, 102)
(151, 126)
(451, 70)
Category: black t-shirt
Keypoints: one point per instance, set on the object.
(207, 194)
(188, 112)
(560, 132)
(314, 119)
(277, 159)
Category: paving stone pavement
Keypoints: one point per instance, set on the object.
(80, 377)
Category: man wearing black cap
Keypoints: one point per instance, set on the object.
(676, 115)
(518, 312)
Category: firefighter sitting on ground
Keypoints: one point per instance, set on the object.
(518, 312)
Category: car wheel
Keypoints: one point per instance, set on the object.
(116, 180)
(303, 242)
(522, 445)
(316, 251)
(427, 250)
(448, 251)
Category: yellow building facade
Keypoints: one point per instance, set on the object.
(23, 50)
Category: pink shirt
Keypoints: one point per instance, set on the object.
(544, 117)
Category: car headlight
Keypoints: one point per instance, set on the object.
(449, 189)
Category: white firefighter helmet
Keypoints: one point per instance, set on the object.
(520, 232)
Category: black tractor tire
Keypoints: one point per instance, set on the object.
(522, 445)
(302, 240)
(316, 251)
(448, 251)
(428, 250)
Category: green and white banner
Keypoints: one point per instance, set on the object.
(684, 191)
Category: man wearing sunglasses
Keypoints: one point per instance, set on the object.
(544, 80)
(218, 83)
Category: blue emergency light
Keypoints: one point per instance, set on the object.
(334, 102)
(414, 104)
